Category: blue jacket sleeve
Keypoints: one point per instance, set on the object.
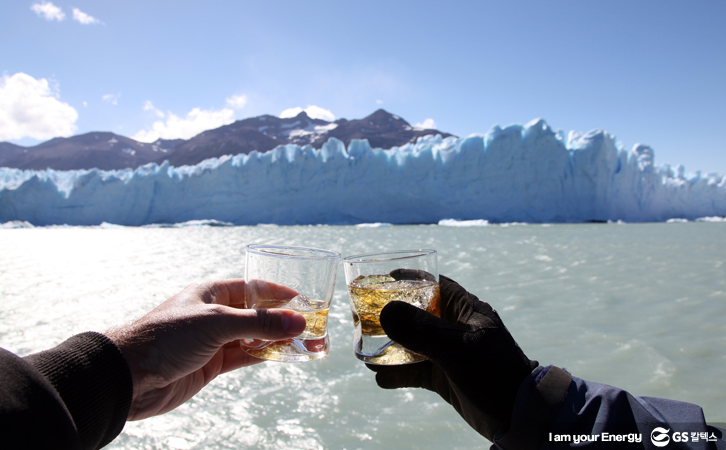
(554, 410)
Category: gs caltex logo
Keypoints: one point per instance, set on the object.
(659, 437)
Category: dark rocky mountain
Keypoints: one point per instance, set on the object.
(102, 150)
(382, 129)
(8, 151)
(164, 145)
(107, 151)
(260, 133)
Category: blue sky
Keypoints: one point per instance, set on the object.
(646, 71)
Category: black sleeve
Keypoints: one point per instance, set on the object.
(74, 396)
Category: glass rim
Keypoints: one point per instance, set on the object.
(388, 256)
(324, 255)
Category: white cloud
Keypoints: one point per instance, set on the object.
(148, 106)
(237, 101)
(196, 121)
(30, 108)
(48, 11)
(427, 124)
(84, 18)
(379, 102)
(290, 112)
(111, 98)
(314, 112)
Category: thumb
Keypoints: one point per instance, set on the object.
(269, 324)
(420, 331)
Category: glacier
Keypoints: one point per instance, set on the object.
(519, 173)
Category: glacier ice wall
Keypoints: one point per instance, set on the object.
(519, 173)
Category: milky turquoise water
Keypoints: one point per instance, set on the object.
(639, 306)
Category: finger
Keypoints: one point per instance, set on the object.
(455, 300)
(405, 376)
(412, 274)
(235, 358)
(420, 331)
(231, 324)
(254, 343)
(425, 375)
(274, 295)
(459, 305)
(242, 294)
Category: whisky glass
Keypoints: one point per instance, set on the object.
(309, 271)
(376, 279)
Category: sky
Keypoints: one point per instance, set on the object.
(650, 72)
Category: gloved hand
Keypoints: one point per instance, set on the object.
(474, 363)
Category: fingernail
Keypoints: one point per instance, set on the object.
(293, 323)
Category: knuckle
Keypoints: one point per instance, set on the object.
(266, 321)
(215, 310)
(194, 287)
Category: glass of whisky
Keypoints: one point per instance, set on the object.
(376, 279)
(311, 272)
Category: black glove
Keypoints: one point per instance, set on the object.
(474, 363)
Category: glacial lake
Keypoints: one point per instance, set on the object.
(638, 306)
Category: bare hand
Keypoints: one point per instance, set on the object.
(183, 344)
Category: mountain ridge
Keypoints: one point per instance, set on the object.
(109, 151)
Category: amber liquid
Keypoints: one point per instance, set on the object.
(371, 293)
(312, 343)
